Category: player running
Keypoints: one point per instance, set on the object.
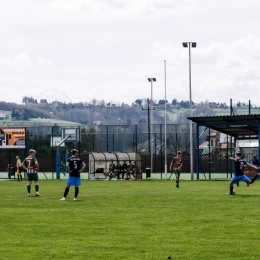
(239, 164)
(176, 165)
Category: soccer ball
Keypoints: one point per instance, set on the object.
(234, 191)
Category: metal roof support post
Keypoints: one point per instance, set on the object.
(258, 141)
(197, 152)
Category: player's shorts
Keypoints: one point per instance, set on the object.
(32, 176)
(175, 171)
(237, 179)
(74, 181)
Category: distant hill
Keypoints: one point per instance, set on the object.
(60, 113)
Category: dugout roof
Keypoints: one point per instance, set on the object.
(239, 126)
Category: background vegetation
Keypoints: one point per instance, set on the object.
(99, 112)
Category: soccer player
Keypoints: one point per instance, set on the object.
(75, 166)
(31, 165)
(239, 164)
(176, 165)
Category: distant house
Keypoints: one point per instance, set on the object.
(215, 141)
(3, 116)
(56, 103)
(96, 123)
(29, 101)
(43, 102)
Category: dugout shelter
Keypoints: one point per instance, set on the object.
(99, 162)
(240, 127)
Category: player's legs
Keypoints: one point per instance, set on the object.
(70, 182)
(177, 177)
(247, 180)
(253, 179)
(76, 192)
(77, 184)
(36, 182)
(67, 189)
(234, 180)
(29, 187)
(231, 189)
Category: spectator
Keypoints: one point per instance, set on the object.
(117, 171)
(110, 171)
(124, 169)
(63, 168)
(129, 170)
(8, 168)
(134, 169)
(18, 168)
(255, 161)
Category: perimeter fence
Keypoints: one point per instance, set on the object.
(142, 139)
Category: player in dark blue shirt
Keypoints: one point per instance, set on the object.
(75, 166)
(239, 164)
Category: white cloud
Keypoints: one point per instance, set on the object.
(108, 49)
(44, 62)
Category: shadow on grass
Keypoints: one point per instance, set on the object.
(247, 195)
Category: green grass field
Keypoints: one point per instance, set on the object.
(130, 220)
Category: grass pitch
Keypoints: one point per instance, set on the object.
(130, 220)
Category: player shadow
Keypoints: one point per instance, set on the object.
(247, 195)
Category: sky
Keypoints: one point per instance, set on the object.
(78, 51)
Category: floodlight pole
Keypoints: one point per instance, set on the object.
(124, 130)
(165, 129)
(185, 45)
(149, 130)
(151, 115)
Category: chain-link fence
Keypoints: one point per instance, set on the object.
(141, 139)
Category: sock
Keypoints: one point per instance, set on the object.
(29, 188)
(37, 187)
(76, 192)
(231, 189)
(254, 178)
(66, 192)
(177, 183)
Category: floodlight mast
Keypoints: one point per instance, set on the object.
(165, 130)
(151, 116)
(193, 45)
